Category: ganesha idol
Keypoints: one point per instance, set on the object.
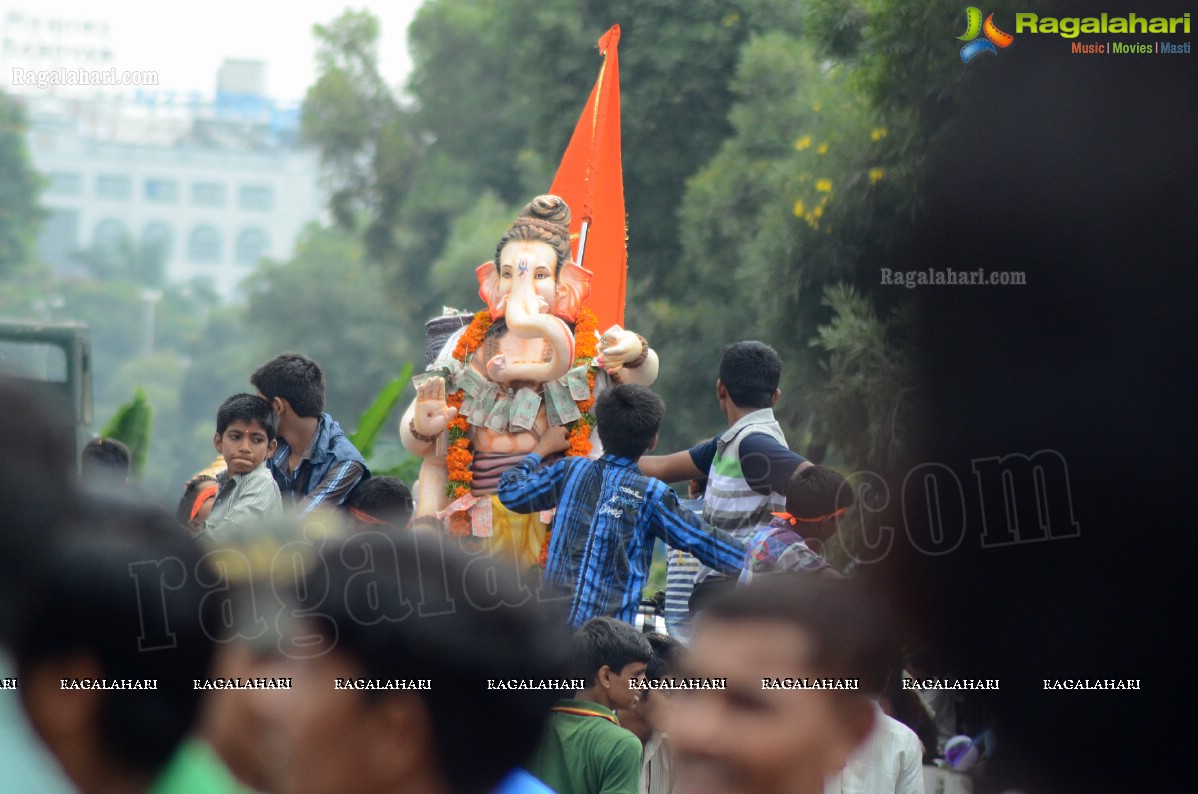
(533, 360)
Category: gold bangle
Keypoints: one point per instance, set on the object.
(416, 434)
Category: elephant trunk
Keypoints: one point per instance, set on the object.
(528, 317)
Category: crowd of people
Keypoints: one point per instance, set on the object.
(289, 628)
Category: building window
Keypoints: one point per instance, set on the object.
(162, 191)
(208, 194)
(110, 236)
(157, 240)
(203, 247)
(252, 245)
(256, 197)
(65, 184)
(114, 187)
(59, 239)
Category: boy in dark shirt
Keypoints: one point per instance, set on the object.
(315, 464)
(748, 465)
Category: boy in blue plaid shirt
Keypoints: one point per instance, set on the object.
(608, 513)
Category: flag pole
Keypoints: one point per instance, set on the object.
(582, 241)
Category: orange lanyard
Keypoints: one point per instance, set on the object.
(585, 713)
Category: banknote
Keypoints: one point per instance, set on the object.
(497, 420)
(576, 380)
(524, 409)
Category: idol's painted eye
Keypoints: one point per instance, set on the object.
(542, 274)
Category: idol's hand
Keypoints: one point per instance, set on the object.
(432, 414)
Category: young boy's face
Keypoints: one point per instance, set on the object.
(621, 693)
(244, 446)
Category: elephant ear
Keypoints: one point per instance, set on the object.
(488, 287)
(573, 287)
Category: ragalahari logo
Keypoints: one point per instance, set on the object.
(993, 36)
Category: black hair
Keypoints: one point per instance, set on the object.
(385, 498)
(297, 379)
(248, 408)
(851, 632)
(104, 458)
(427, 611)
(816, 491)
(751, 371)
(628, 418)
(607, 642)
(190, 492)
(664, 661)
(123, 588)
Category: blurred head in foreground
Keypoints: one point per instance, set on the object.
(755, 739)
(37, 473)
(119, 599)
(413, 631)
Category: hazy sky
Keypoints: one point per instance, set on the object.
(185, 42)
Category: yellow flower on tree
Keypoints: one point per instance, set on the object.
(821, 149)
(876, 175)
(799, 208)
(803, 143)
(877, 133)
(823, 185)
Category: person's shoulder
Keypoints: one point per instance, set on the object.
(262, 478)
(623, 744)
(615, 737)
(653, 489)
(337, 443)
(901, 732)
(759, 441)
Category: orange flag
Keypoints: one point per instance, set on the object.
(591, 180)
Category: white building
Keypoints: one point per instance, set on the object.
(215, 186)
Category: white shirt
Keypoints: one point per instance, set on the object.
(655, 766)
(890, 762)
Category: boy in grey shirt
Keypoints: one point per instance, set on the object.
(245, 437)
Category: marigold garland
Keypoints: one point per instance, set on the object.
(460, 456)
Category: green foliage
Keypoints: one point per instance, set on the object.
(20, 215)
(771, 150)
(372, 420)
(330, 304)
(471, 242)
(131, 424)
(352, 117)
(866, 400)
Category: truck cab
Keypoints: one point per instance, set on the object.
(54, 361)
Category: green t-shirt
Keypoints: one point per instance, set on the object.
(585, 751)
(195, 769)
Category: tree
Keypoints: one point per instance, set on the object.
(865, 403)
(329, 303)
(20, 185)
